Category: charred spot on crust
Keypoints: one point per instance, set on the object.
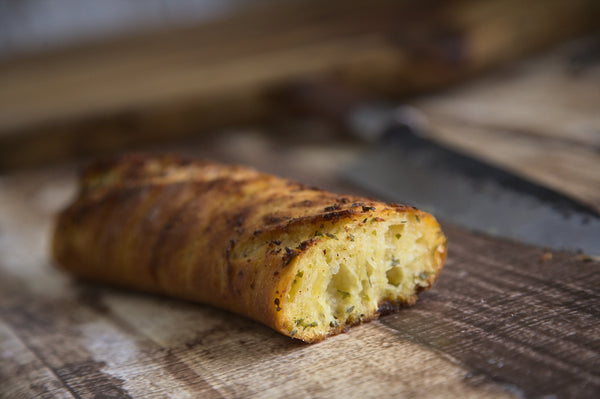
(336, 215)
(306, 244)
(343, 200)
(277, 307)
(334, 207)
(368, 208)
(275, 251)
(289, 255)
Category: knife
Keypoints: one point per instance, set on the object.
(403, 164)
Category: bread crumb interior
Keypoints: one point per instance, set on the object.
(344, 278)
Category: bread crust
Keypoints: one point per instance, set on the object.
(227, 236)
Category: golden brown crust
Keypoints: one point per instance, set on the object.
(224, 235)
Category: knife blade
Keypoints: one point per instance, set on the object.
(405, 165)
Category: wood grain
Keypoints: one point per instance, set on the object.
(23, 373)
(540, 97)
(504, 320)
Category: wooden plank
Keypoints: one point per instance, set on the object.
(23, 374)
(542, 97)
(505, 320)
(92, 355)
(534, 118)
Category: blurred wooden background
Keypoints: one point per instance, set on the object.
(126, 92)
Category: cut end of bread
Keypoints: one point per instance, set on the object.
(360, 270)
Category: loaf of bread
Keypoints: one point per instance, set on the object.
(306, 262)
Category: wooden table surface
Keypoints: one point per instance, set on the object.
(504, 320)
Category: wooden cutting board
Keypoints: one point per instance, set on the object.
(504, 320)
